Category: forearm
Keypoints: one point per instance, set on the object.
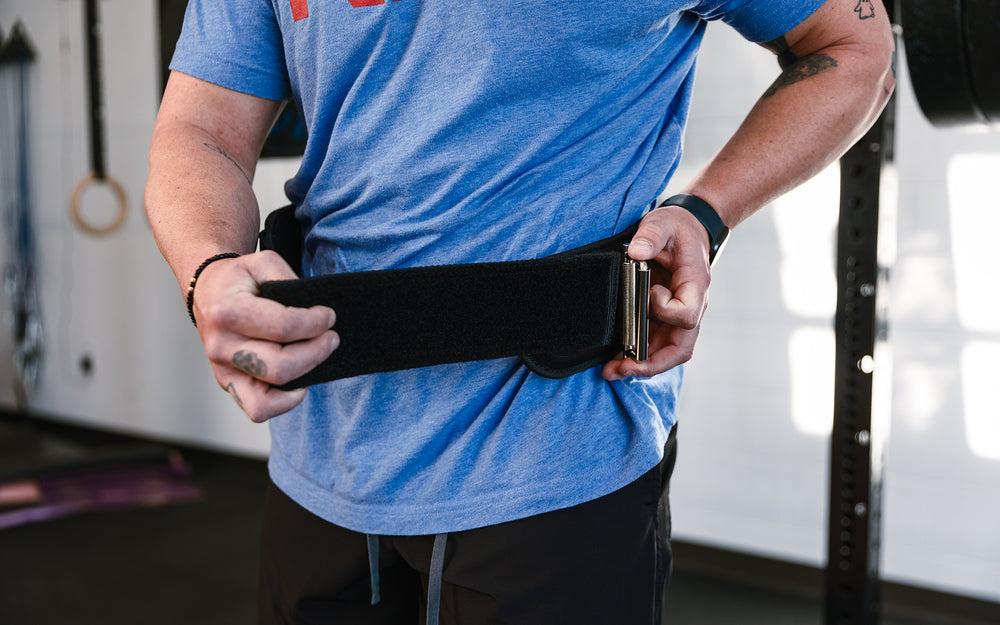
(202, 157)
(200, 202)
(817, 108)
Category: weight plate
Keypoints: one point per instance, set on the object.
(937, 60)
(982, 45)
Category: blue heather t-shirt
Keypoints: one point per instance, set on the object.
(454, 132)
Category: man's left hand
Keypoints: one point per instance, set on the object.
(676, 246)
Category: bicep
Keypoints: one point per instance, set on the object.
(235, 122)
(860, 26)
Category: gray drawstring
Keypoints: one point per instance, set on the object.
(434, 575)
(373, 566)
(434, 582)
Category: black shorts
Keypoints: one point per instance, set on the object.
(604, 561)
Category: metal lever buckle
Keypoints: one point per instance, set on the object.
(635, 307)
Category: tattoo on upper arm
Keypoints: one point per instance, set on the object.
(865, 9)
(219, 150)
(786, 58)
(250, 363)
(805, 67)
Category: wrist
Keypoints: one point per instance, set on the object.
(718, 232)
(197, 274)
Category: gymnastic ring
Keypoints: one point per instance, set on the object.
(74, 205)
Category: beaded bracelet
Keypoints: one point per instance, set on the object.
(194, 280)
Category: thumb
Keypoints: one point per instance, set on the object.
(652, 236)
(267, 265)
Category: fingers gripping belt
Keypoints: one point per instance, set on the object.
(559, 313)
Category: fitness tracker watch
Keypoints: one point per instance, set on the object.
(718, 233)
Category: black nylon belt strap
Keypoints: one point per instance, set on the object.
(558, 313)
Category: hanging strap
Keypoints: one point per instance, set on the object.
(435, 576)
(373, 567)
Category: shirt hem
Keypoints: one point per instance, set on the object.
(394, 519)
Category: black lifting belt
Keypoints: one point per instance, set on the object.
(560, 314)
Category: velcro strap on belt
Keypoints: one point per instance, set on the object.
(558, 313)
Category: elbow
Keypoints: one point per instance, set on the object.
(882, 72)
(874, 66)
(882, 54)
(884, 59)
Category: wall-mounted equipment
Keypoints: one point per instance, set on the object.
(21, 312)
(98, 172)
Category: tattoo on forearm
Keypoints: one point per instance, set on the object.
(805, 67)
(219, 150)
(232, 391)
(865, 9)
(250, 363)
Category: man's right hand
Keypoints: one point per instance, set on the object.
(255, 344)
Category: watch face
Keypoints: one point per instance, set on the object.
(718, 244)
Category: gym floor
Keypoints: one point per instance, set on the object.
(195, 562)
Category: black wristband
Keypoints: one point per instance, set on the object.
(703, 212)
(194, 280)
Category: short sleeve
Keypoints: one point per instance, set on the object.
(234, 44)
(759, 20)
